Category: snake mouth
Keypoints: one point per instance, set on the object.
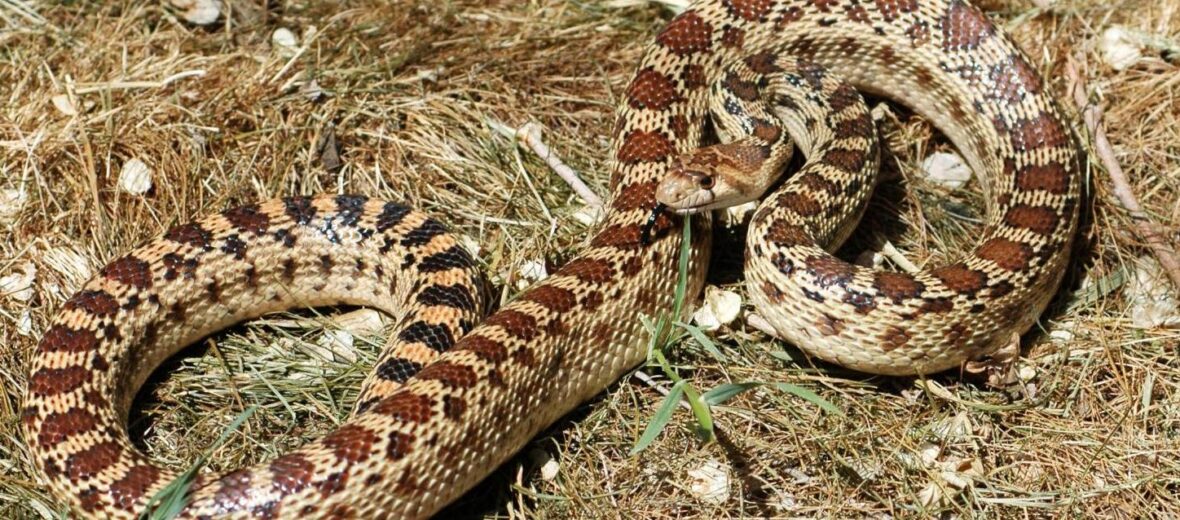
(687, 211)
(699, 201)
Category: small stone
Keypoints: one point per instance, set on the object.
(710, 482)
(931, 495)
(946, 169)
(24, 323)
(312, 91)
(533, 270)
(1152, 302)
(471, 245)
(1026, 373)
(361, 322)
(589, 215)
(199, 12)
(954, 429)
(720, 307)
(929, 452)
(135, 178)
(284, 41)
(337, 345)
(1118, 49)
(68, 263)
(12, 201)
(19, 284)
(63, 104)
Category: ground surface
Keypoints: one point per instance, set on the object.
(1087, 423)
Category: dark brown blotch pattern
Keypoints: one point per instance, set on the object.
(191, 234)
(61, 338)
(652, 90)
(964, 28)
(96, 303)
(406, 406)
(1041, 220)
(897, 286)
(248, 219)
(749, 10)
(129, 270)
(961, 279)
(1008, 254)
(352, 443)
(291, 473)
(450, 374)
(127, 491)
(515, 323)
(91, 461)
(686, 34)
(55, 381)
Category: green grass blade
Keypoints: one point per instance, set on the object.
(701, 411)
(702, 339)
(659, 420)
(722, 393)
(809, 396)
(682, 268)
(169, 501)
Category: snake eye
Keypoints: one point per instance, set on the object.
(706, 182)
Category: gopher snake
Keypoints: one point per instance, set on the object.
(416, 446)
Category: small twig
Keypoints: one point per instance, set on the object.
(1148, 229)
(127, 85)
(649, 381)
(529, 135)
(891, 252)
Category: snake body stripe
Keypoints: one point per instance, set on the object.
(422, 443)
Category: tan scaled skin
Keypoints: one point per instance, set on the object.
(422, 438)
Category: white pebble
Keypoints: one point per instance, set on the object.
(946, 169)
(68, 263)
(1152, 302)
(533, 270)
(199, 12)
(336, 345)
(11, 202)
(19, 284)
(135, 178)
(720, 307)
(63, 104)
(24, 324)
(710, 482)
(1118, 49)
(284, 41)
(589, 215)
(361, 321)
(549, 469)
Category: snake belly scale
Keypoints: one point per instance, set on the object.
(417, 443)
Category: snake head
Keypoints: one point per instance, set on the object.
(701, 180)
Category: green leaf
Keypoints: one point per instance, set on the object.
(727, 391)
(724, 392)
(809, 396)
(701, 411)
(660, 419)
(168, 502)
(682, 271)
(702, 339)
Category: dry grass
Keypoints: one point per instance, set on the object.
(408, 90)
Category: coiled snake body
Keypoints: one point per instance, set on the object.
(417, 443)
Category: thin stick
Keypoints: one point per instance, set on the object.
(529, 135)
(86, 88)
(1146, 228)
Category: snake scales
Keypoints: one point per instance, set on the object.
(416, 443)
